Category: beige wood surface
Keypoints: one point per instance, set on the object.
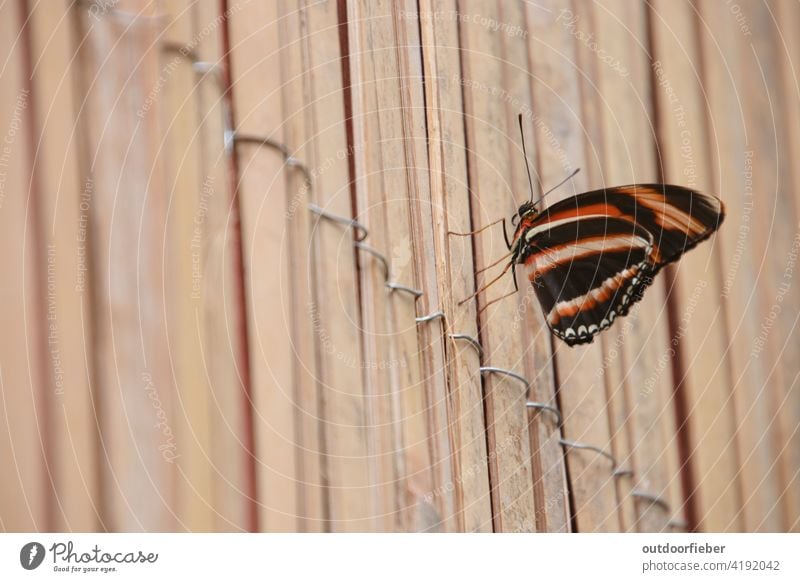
(560, 149)
(25, 494)
(61, 212)
(703, 366)
(264, 200)
(489, 121)
(190, 346)
(135, 391)
(627, 151)
(449, 195)
(217, 309)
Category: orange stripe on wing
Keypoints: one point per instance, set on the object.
(568, 252)
(601, 294)
(666, 214)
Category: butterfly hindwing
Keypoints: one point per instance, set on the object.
(587, 271)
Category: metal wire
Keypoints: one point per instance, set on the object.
(548, 408)
(503, 371)
(614, 465)
(431, 317)
(361, 230)
(417, 293)
(469, 339)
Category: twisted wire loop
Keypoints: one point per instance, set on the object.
(616, 470)
(470, 340)
(289, 159)
(361, 230)
(417, 293)
(378, 255)
(391, 285)
(431, 317)
(529, 404)
(541, 406)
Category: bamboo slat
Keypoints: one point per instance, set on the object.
(627, 153)
(25, 493)
(376, 148)
(777, 212)
(560, 147)
(61, 208)
(488, 119)
(786, 16)
(428, 225)
(215, 293)
(702, 369)
(449, 194)
(188, 191)
(135, 391)
(611, 375)
(732, 157)
(333, 306)
(305, 319)
(264, 202)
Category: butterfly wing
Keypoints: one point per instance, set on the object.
(591, 256)
(587, 272)
(678, 218)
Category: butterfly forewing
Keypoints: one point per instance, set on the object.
(590, 257)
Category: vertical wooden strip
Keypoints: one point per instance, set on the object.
(578, 22)
(188, 192)
(307, 340)
(370, 56)
(703, 374)
(23, 490)
(638, 351)
(547, 457)
(449, 193)
(63, 202)
(560, 147)
(732, 159)
(487, 92)
(776, 214)
(786, 16)
(135, 390)
(215, 281)
(256, 83)
(333, 306)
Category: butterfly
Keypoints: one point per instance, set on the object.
(590, 257)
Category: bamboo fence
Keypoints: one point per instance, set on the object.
(198, 337)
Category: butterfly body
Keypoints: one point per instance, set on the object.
(591, 256)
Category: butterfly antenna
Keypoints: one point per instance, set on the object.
(567, 179)
(525, 153)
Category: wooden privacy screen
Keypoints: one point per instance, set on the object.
(197, 337)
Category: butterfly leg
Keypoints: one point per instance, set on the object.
(470, 233)
(516, 288)
(493, 301)
(487, 285)
(497, 262)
